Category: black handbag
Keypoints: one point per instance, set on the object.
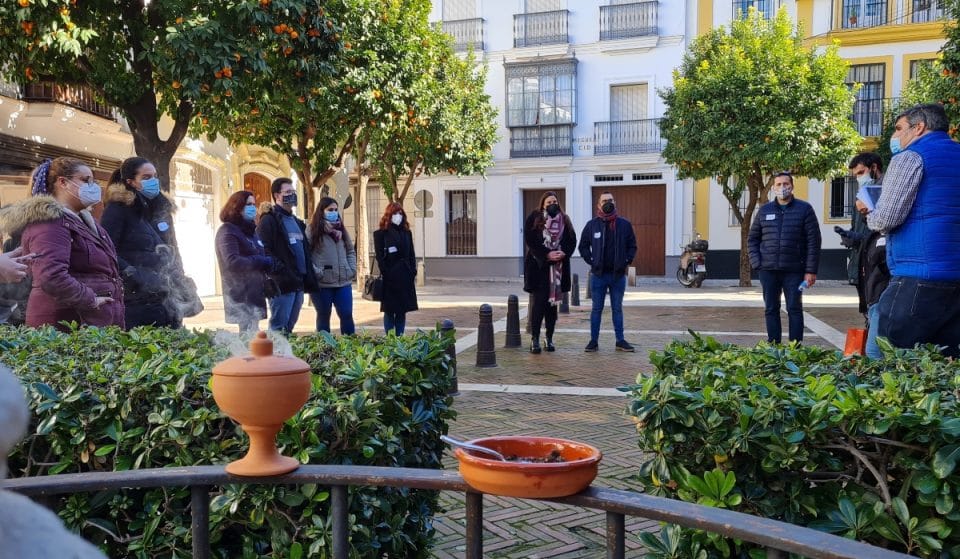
(373, 288)
(186, 298)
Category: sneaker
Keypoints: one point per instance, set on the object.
(591, 347)
(623, 345)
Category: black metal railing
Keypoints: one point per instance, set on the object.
(466, 33)
(541, 141)
(776, 537)
(926, 10)
(80, 97)
(540, 28)
(871, 115)
(627, 136)
(859, 14)
(620, 21)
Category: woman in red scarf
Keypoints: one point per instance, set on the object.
(550, 239)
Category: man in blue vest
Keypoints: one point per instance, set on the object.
(919, 210)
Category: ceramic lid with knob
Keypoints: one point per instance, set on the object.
(261, 361)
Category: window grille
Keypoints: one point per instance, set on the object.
(461, 222)
(926, 10)
(863, 13)
(742, 7)
(607, 178)
(843, 197)
(868, 109)
(648, 176)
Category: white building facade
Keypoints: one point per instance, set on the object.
(576, 85)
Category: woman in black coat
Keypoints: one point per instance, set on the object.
(243, 263)
(393, 243)
(139, 220)
(550, 239)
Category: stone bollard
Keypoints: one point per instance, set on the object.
(486, 354)
(575, 291)
(446, 328)
(565, 304)
(632, 276)
(586, 294)
(513, 322)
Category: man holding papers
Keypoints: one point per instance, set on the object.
(919, 210)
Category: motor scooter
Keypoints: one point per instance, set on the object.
(693, 263)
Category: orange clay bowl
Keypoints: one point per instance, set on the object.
(529, 479)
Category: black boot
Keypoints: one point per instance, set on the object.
(550, 346)
(535, 346)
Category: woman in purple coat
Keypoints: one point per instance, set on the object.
(243, 263)
(75, 273)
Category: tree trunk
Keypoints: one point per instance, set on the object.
(361, 241)
(745, 268)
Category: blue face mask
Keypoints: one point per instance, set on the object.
(333, 216)
(249, 212)
(895, 146)
(151, 187)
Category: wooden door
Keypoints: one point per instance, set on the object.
(531, 200)
(645, 208)
(259, 185)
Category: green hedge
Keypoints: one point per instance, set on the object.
(862, 448)
(110, 400)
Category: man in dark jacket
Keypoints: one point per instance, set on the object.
(784, 246)
(284, 238)
(608, 246)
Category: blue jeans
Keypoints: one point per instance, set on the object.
(339, 297)
(775, 282)
(616, 284)
(873, 350)
(394, 321)
(285, 310)
(914, 311)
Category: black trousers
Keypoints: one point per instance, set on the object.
(541, 310)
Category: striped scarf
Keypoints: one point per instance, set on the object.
(552, 232)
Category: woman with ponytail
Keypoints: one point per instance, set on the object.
(72, 259)
(334, 260)
(139, 219)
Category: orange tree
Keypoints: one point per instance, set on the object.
(166, 57)
(750, 101)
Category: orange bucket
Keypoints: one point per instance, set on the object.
(856, 342)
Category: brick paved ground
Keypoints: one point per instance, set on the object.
(654, 315)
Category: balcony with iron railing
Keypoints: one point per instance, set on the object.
(553, 140)
(466, 33)
(777, 537)
(870, 116)
(864, 14)
(621, 21)
(627, 136)
(77, 96)
(540, 28)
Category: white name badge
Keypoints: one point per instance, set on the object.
(293, 240)
(596, 235)
(391, 250)
(882, 242)
(771, 217)
(259, 242)
(162, 226)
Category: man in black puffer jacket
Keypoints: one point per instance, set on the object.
(784, 246)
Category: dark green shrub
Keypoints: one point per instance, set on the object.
(866, 449)
(113, 400)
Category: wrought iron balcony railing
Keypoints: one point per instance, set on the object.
(541, 141)
(627, 136)
(620, 21)
(926, 10)
(862, 14)
(870, 116)
(466, 33)
(776, 537)
(540, 28)
(79, 97)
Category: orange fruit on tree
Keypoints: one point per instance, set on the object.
(277, 29)
(287, 51)
(176, 84)
(218, 74)
(301, 99)
(228, 93)
(24, 3)
(294, 34)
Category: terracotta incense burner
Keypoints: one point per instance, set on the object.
(260, 392)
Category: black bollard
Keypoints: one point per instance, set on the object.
(447, 329)
(575, 290)
(586, 294)
(565, 304)
(513, 322)
(486, 354)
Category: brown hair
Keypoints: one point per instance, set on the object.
(392, 208)
(232, 211)
(47, 173)
(539, 222)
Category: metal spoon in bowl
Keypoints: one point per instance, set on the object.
(474, 447)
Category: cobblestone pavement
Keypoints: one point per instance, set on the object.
(519, 395)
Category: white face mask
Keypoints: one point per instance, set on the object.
(397, 219)
(865, 180)
(783, 192)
